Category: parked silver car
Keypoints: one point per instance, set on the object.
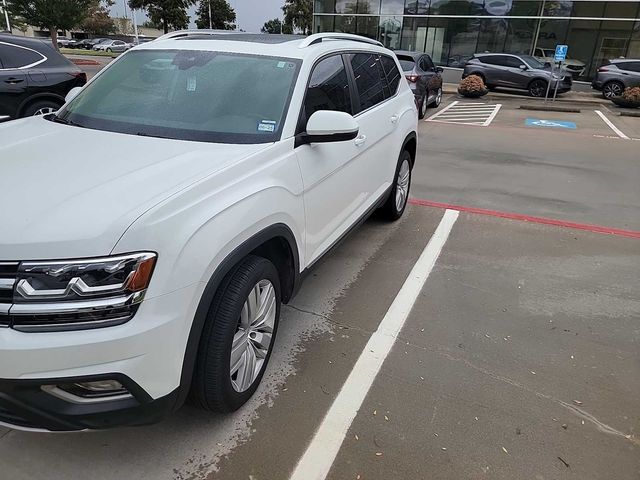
(523, 72)
(616, 75)
(111, 46)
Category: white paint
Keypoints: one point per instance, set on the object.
(321, 452)
(440, 112)
(467, 113)
(493, 115)
(611, 125)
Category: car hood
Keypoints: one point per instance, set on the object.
(72, 192)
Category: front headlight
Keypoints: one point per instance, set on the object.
(78, 294)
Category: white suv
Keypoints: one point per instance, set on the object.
(151, 228)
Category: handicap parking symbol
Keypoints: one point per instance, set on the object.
(536, 122)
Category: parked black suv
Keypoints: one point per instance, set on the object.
(34, 77)
(425, 79)
(523, 72)
(616, 75)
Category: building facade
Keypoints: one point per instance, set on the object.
(451, 31)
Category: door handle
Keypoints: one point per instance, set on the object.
(14, 80)
(360, 140)
(394, 118)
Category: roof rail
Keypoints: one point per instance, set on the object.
(321, 37)
(189, 33)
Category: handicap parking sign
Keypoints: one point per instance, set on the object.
(561, 53)
(537, 122)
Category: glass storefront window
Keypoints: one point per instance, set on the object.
(324, 6)
(492, 35)
(520, 35)
(613, 42)
(390, 31)
(588, 9)
(323, 23)
(347, 6)
(368, 26)
(621, 10)
(560, 8)
(416, 7)
(463, 7)
(414, 33)
(634, 44)
(393, 7)
(345, 24)
(369, 6)
(582, 40)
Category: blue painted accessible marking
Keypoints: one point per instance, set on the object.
(536, 122)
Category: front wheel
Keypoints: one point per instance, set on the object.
(238, 336)
(422, 107)
(395, 205)
(538, 88)
(42, 107)
(436, 101)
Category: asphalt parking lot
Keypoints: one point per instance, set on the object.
(512, 351)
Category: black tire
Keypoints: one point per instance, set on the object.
(436, 102)
(390, 210)
(35, 107)
(538, 88)
(612, 89)
(422, 107)
(212, 388)
(109, 50)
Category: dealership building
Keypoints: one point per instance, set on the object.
(451, 31)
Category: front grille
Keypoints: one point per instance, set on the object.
(8, 273)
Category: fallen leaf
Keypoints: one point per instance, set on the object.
(444, 448)
(421, 378)
(435, 434)
(504, 450)
(375, 412)
(386, 418)
(476, 418)
(378, 454)
(565, 426)
(583, 422)
(577, 402)
(357, 477)
(533, 372)
(357, 438)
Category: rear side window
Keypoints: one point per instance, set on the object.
(630, 66)
(392, 72)
(370, 78)
(12, 56)
(492, 60)
(427, 64)
(328, 88)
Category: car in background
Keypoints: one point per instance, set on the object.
(66, 42)
(425, 79)
(111, 46)
(34, 77)
(573, 66)
(616, 75)
(522, 72)
(89, 43)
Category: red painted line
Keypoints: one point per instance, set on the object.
(529, 218)
(82, 61)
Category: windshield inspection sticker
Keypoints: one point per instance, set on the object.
(267, 126)
(191, 84)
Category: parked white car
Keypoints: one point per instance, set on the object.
(112, 46)
(575, 67)
(153, 262)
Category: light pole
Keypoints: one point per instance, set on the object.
(6, 15)
(210, 19)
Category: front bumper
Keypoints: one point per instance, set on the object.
(145, 354)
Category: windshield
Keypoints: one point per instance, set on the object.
(188, 95)
(532, 61)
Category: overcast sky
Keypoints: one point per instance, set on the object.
(251, 14)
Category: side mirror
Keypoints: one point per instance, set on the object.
(326, 126)
(73, 93)
(439, 69)
(523, 67)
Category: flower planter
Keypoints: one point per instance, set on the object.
(473, 93)
(624, 103)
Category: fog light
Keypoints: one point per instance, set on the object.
(89, 392)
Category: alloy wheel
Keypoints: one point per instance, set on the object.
(252, 340)
(44, 111)
(538, 88)
(423, 106)
(612, 89)
(402, 185)
(438, 99)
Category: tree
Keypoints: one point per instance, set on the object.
(275, 26)
(98, 21)
(223, 15)
(299, 14)
(168, 13)
(51, 14)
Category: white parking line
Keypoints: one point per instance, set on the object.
(325, 445)
(611, 125)
(466, 113)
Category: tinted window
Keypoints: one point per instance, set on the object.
(328, 88)
(492, 59)
(407, 63)
(16, 57)
(632, 66)
(370, 79)
(513, 62)
(189, 95)
(392, 72)
(427, 64)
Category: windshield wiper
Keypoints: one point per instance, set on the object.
(64, 121)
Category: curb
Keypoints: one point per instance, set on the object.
(82, 61)
(452, 89)
(550, 108)
(630, 114)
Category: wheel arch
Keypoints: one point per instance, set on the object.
(39, 97)
(410, 144)
(277, 243)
